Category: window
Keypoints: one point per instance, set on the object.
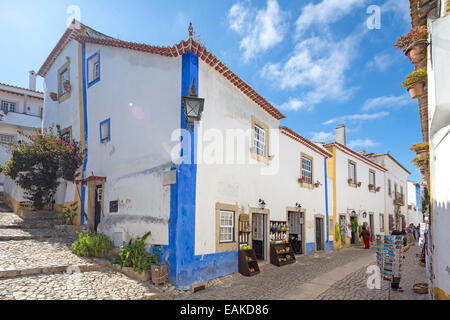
(389, 188)
(307, 170)
(381, 222)
(6, 138)
(105, 130)
(93, 65)
(66, 135)
(352, 171)
(260, 141)
(63, 77)
(372, 177)
(391, 222)
(8, 106)
(226, 226)
(395, 191)
(401, 191)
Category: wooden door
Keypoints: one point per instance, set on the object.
(319, 234)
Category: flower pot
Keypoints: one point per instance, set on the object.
(317, 184)
(53, 96)
(416, 90)
(350, 181)
(359, 184)
(417, 51)
(67, 86)
(378, 189)
(300, 180)
(371, 187)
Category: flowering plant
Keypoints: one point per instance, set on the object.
(419, 75)
(418, 33)
(38, 161)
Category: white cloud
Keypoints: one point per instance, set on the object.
(324, 13)
(292, 104)
(400, 8)
(362, 143)
(357, 117)
(322, 136)
(382, 62)
(318, 64)
(261, 30)
(386, 101)
(237, 16)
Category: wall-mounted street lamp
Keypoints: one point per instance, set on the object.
(262, 204)
(364, 214)
(192, 106)
(298, 205)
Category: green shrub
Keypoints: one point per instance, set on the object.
(69, 213)
(134, 255)
(91, 244)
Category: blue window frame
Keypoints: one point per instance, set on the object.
(105, 130)
(93, 69)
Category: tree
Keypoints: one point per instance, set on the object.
(39, 161)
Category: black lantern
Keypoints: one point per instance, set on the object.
(364, 214)
(262, 204)
(298, 205)
(353, 213)
(192, 105)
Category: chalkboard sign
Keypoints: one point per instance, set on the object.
(114, 206)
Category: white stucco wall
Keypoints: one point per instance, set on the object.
(439, 126)
(140, 94)
(244, 184)
(349, 198)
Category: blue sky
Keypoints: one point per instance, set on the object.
(316, 60)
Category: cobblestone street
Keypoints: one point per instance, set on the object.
(34, 262)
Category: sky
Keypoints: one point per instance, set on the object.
(321, 62)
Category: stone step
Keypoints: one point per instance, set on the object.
(11, 273)
(11, 234)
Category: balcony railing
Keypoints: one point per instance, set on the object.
(399, 199)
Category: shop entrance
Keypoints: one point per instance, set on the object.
(319, 234)
(354, 239)
(296, 224)
(259, 223)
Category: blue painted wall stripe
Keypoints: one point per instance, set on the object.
(83, 172)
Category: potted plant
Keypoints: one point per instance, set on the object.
(359, 184)
(300, 180)
(317, 184)
(53, 96)
(378, 189)
(371, 187)
(421, 149)
(414, 44)
(66, 85)
(350, 181)
(415, 82)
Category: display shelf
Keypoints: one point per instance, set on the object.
(248, 266)
(281, 254)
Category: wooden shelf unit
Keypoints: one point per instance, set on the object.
(248, 265)
(282, 251)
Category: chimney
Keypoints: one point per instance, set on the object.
(340, 134)
(32, 83)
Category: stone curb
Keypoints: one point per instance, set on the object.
(31, 237)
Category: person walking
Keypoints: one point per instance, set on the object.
(365, 234)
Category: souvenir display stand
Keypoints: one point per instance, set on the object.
(248, 265)
(281, 252)
(389, 256)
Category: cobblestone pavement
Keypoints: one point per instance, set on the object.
(273, 282)
(354, 286)
(103, 284)
(36, 263)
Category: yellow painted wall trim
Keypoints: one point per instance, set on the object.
(440, 294)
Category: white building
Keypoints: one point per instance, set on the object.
(396, 191)
(415, 195)
(358, 191)
(122, 100)
(20, 109)
(438, 70)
